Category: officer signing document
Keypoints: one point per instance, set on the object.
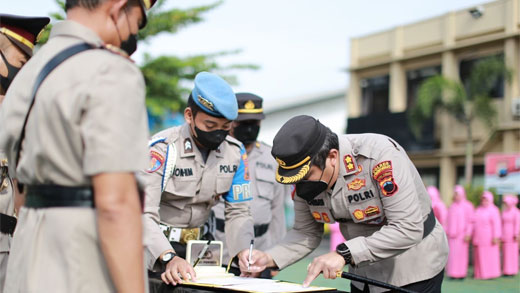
(367, 183)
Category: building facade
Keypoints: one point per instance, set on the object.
(388, 67)
(329, 107)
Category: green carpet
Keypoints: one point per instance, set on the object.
(296, 273)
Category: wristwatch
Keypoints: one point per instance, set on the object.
(167, 257)
(342, 249)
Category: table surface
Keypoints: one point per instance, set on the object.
(158, 286)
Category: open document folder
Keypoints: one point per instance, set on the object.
(241, 284)
(211, 274)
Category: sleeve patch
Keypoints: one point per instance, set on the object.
(156, 140)
(156, 161)
(239, 193)
(240, 189)
(381, 169)
(388, 186)
(382, 173)
(246, 166)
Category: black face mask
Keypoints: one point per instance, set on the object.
(309, 189)
(12, 71)
(210, 139)
(129, 45)
(246, 133)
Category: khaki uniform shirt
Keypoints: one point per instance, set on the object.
(267, 206)
(383, 229)
(6, 202)
(89, 118)
(181, 189)
(7, 208)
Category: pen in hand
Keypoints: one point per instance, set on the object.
(250, 254)
(202, 252)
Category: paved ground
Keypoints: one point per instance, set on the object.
(297, 272)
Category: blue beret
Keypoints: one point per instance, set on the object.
(214, 96)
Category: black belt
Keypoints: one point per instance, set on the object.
(428, 224)
(7, 224)
(259, 229)
(52, 196)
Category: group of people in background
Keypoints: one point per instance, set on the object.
(485, 228)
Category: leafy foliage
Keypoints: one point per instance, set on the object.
(474, 195)
(168, 78)
(466, 102)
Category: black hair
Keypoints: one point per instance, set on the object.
(330, 143)
(91, 4)
(193, 106)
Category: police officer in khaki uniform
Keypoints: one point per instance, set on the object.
(84, 137)
(367, 183)
(191, 167)
(267, 206)
(18, 35)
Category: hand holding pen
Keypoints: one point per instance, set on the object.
(202, 253)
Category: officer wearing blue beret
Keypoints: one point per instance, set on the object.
(191, 168)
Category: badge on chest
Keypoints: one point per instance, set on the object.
(322, 214)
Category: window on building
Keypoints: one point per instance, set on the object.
(429, 176)
(375, 94)
(467, 65)
(414, 79)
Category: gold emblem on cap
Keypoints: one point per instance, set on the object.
(147, 4)
(249, 105)
(40, 35)
(205, 103)
(295, 165)
(295, 178)
(280, 162)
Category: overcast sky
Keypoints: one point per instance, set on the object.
(302, 46)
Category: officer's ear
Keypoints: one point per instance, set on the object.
(116, 10)
(188, 115)
(333, 156)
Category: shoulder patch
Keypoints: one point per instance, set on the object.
(382, 173)
(169, 167)
(156, 140)
(382, 170)
(156, 161)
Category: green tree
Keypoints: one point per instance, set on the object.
(465, 102)
(167, 77)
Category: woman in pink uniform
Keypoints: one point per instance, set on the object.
(458, 229)
(335, 236)
(510, 235)
(487, 231)
(439, 208)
